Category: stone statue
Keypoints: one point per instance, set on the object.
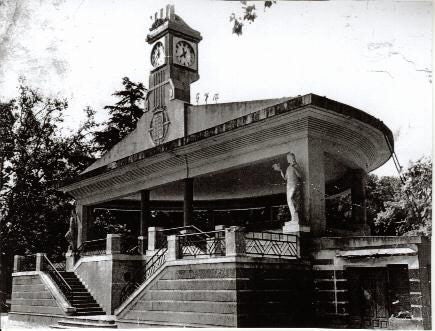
(293, 178)
(71, 235)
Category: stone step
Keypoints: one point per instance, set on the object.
(108, 319)
(88, 308)
(90, 313)
(189, 318)
(190, 306)
(86, 324)
(181, 295)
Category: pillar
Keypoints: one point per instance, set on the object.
(18, 260)
(188, 201)
(358, 194)
(154, 236)
(113, 244)
(40, 261)
(235, 243)
(145, 212)
(84, 214)
(173, 248)
(314, 188)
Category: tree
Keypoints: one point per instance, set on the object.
(124, 115)
(34, 158)
(393, 208)
(249, 15)
(409, 212)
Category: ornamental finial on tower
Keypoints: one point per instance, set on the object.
(160, 19)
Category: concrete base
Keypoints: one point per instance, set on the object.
(294, 228)
(28, 320)
(70, 260)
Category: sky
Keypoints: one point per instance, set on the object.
(372, 55)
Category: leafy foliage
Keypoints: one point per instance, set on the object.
(249, 15)
(409, 211)
(124, 115)
(105, 222)
(35, 157)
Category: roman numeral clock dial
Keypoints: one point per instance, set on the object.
(184, 54)
(158, 55)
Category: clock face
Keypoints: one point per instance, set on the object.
(158, 55)
(184, 53)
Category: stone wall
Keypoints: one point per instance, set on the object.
(404, 261)
(33, 302)
(224, 294)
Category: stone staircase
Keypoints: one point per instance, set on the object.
(80, 299)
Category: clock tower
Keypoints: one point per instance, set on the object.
(174, 60)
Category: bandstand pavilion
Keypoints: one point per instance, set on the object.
(230, 272)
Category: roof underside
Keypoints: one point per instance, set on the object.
(258, 115)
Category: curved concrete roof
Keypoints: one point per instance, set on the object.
(373, 142)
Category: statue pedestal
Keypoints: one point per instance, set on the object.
(294, 228)
(70, 260)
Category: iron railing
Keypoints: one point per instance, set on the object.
(271, 244)
(93, 247)
(28, 263)
(202, 244)
(145, 272)
(162, 235)
(53, 272)
(60, 265)
(129, 245)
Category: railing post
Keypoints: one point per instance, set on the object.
(113, 244)
(153, 236)
(18, 260)
(141, 243)
(235, 243)
(173, 248)
(39, 261)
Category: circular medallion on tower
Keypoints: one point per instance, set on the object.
(159, 125)
(158, 55)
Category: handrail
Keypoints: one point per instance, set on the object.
(86, 247)
(157, 260)
(184, 227)
(89, 242)
(58, 273)
(204, 233)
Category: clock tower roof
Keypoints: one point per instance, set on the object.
(173, 23)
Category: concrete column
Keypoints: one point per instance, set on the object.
(145, 212)
(18, 260)
(153, 237)
(84, 214)
(113, 244)
(173, 248)
(235, 243)
(188, 201)
(358, 194)
(40, 261)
